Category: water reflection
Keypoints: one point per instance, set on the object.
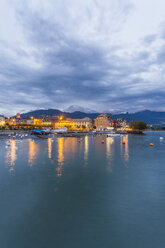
(125, 148)
(109, 153)
(11, 155)
(70, 146)
(60, 156)
(33, 151)
(49, 147)
(86, 149)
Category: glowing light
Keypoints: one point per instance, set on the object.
(2, 123)
(11, 155)
(86, 149)
(49, 147)
(109, 143)
(33, 150)
(60, 156)
(125, 147)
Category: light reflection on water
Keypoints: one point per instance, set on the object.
(60, 156)
(64, 149)
(11, 155)
(125, 148)
(33, 152)
(90, 205)
(109, 153)
(86, 149)
(49, 147)
(70, 147)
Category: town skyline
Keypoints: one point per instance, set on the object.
(150, 117)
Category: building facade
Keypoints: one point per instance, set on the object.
(18, 115)
(82, 123)
(103, 121)
(61, 123)
(85, 123)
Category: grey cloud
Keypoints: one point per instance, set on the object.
(150, 38)
(72, 71)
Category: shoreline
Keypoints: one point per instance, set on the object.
(27, 134)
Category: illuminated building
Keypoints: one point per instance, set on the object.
(73, 123)
(29, 121)
(37, 122)
(11, 155)
(80, 123)
(12, 121)
(103, 121)
(64, 123)
(2, 120)
(18, 116)
(47, 123)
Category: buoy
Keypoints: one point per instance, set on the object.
(123, 142)
(102, 141)
(161, 138)
(151, 144)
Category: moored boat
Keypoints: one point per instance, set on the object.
(44, 134)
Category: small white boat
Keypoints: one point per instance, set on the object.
(60, 130)
(161, 138)
(113, 135)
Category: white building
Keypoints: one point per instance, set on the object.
(85, 122)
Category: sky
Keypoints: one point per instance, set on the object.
(90, 55)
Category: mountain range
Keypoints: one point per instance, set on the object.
(150, 117)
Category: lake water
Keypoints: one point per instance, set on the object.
(65, 194)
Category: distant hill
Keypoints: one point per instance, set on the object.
(56, 112)
(40, 112)
(150, 117)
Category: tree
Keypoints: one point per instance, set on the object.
(138, 125)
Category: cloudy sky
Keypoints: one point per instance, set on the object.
(103, 55)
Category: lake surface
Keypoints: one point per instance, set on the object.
(65, 194)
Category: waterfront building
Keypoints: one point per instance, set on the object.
(40, 122)
(18, 116)
(29, 121)
(47, 123)
(37, 122)
(121, 123)
(103, 121)
(61, 123)
(18, 122)
(85, 123)
(82, 123)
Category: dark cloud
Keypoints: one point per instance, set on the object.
(150, 38)
(60, 70)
